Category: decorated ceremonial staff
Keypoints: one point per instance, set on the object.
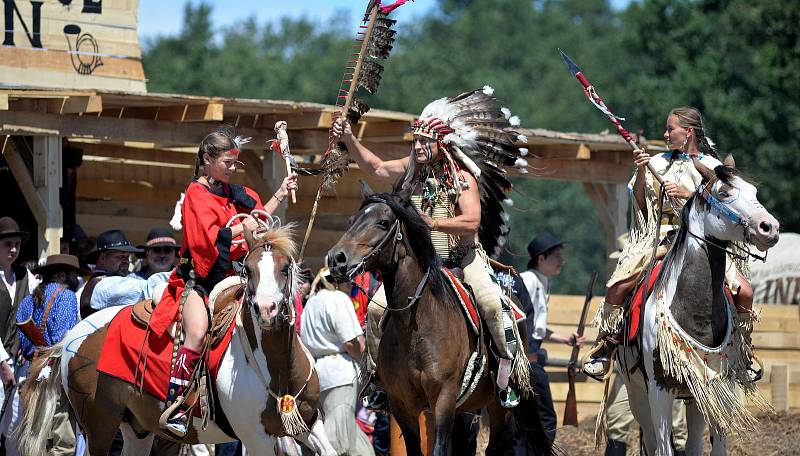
(373, 44)
(595, 99)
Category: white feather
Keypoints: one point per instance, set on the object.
(521, 163)
(506, 112)
(508, 202)
(241, 140)
(44, 374)
(514, 120)
(504, 216)
(175, 221)
(711, 143)
(488, 90)
(522, 139)
(523, 151)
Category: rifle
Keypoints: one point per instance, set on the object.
(571, 406)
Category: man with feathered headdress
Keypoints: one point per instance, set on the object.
(457, 178)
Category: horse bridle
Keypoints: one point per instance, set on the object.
(396, 233)
(722, 207)
(286, 314)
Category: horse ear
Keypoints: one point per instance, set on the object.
(707, 173)
(729, 161)
(366, 190)
(249, 238)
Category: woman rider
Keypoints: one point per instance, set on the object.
(685, 138)
(210, 202)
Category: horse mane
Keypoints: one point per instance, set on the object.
(280, 238)
(726, 173)
(417, 236)
(669, 263)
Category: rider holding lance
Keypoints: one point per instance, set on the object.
(458, 149)
(686, 139)
(208, 254)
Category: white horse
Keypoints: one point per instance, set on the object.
(265, 360)
(690, 344)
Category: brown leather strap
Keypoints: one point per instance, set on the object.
(43, 324)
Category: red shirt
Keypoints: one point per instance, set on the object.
(205, 214)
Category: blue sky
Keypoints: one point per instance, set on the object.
(164, 17)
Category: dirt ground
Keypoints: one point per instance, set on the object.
(778, 435)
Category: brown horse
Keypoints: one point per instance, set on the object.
(426, 344)
(264, 360)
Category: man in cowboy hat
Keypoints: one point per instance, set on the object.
(545, 263)
(160, 251)
(44, 318)
(18, 282)
(111, 257)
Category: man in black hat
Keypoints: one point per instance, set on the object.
(545, 263)
(160, 252)
(18, 282)
(111, 257)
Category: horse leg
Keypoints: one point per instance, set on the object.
(718, 443)
(640, 408)
(409, 426)
(695, 424)
(661, 417)
(135, 445)
(316, 439)
(444, 412)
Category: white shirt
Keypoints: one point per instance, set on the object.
(538, 287)
(12, 290)
(329, 320)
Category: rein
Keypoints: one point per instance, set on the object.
(722, 208)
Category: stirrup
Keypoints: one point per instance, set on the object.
(509, 398)
(176, 427)
(373, 396)
(172, 420)
(596, 368)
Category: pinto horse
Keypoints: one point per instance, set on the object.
(690, 344)
(264, 360)
(426, 344)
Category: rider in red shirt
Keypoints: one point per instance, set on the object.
(207, 254)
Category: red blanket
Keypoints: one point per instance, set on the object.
(124, 343)
(470, 311)
(636, 303)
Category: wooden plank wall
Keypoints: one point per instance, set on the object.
(82, 44)
(776, 337)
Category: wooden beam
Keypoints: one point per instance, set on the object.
(138, 191)
(24, 180)
(126, 129)
(47, 171)
(300, 121)
(75, 104)
(133, 153)
(580, 170)
(384, 131)
(3, 101)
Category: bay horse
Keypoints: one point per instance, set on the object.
(690, 345)
(265, 360)
(426, 344)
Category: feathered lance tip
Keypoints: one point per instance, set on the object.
(377, 47)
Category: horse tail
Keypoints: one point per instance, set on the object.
(40, 395)
(530, 428)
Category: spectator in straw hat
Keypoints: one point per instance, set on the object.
(160, 252)
(44, 317)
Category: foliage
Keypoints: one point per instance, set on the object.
(736, 60)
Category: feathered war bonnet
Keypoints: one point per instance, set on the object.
(477, 132)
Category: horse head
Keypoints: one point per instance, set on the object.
(270, 275)
(738, 215)
(386, 228)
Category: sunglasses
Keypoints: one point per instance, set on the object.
(161, 249)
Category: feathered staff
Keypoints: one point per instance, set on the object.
(281, 146)
(373, 44)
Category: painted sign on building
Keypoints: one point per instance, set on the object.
(777, 281)
(71, 44)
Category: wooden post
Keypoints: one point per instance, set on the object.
(779, 382)
(273, 171)
(47, 180)
(611, 203)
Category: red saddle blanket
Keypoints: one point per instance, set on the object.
(467, 304)
(125, 341)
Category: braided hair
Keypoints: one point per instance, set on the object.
(215, 144)
(690, 117)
